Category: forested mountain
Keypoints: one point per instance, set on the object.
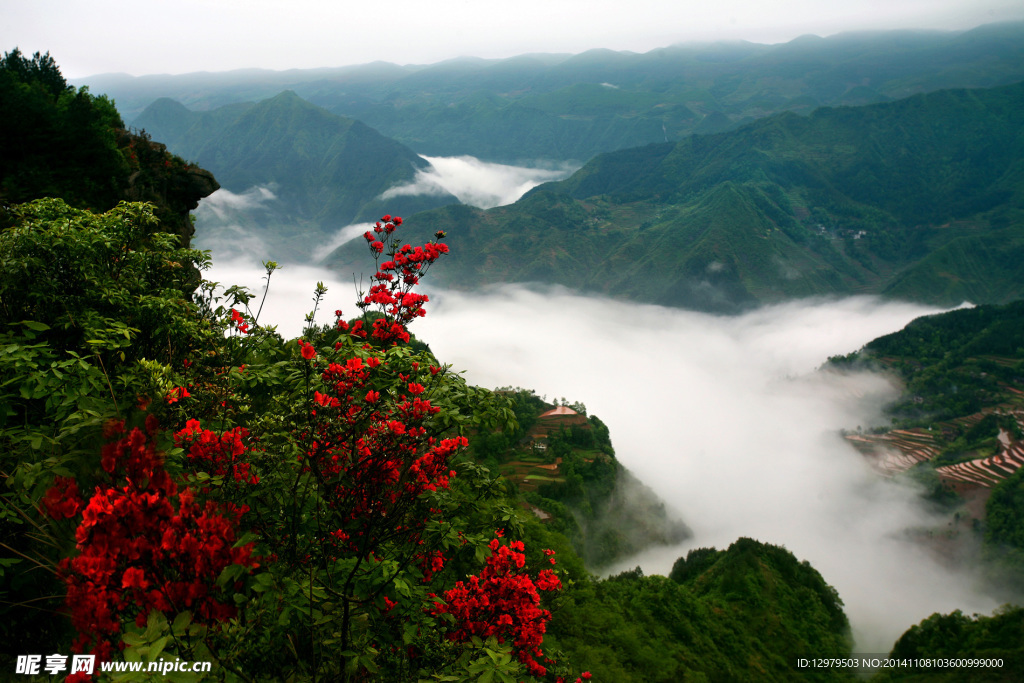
(959, 423)
(577, 106)
(688, 626)
(60, 141)
(921, 198)
(181, 482)
(958, 434)
(324, 171)
(185, 483)
(958, 636)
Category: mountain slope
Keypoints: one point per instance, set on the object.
(56, 141)
(741, 614)
(319, 172)
(880, 198)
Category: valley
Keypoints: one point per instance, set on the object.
(720, 220)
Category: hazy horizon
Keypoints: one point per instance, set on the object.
(114, 36)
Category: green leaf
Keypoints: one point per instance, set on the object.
(33, 325)
(368, 663)
(247, 537)
(181, 622)
(157, 647)
(232, 572)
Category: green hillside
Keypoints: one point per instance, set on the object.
(919, 198)
(745, 613)
(325, 171)
(957, 434)
(958, 430)
(995, 641)
(58, 140)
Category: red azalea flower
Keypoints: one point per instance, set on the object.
(177, 393)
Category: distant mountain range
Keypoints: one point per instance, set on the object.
(921, 199)
(572, 107)
(917, 198)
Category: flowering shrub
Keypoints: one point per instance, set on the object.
(215, 454)
(391, 290)
(143, 545)
(336, 458)
(503, 601)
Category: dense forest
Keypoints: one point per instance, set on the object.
(181, 482)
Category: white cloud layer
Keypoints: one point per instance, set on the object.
(480, 183)
(346, 234)
(727, 420)
(224, 221)
(224, 204)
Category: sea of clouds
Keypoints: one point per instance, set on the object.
(727, 418)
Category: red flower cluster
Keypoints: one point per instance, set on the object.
(239, 322)
(63, 501)
(391, 290)
(503, 601)
(215, 454)
(375, 454)
(142, 545)
(370, 450)
(177, 393)
(307, 350)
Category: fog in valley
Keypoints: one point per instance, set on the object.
(727, 419)
(226, 218)
(479, 183)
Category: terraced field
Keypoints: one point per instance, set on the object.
(896, 451)
(900, 449)
(530, 471)
(988, 471)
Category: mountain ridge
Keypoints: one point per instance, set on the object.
(483, 107)
(837, 202)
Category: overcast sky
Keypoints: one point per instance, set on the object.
(88, 37)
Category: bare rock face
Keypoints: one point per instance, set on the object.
(174, 185)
